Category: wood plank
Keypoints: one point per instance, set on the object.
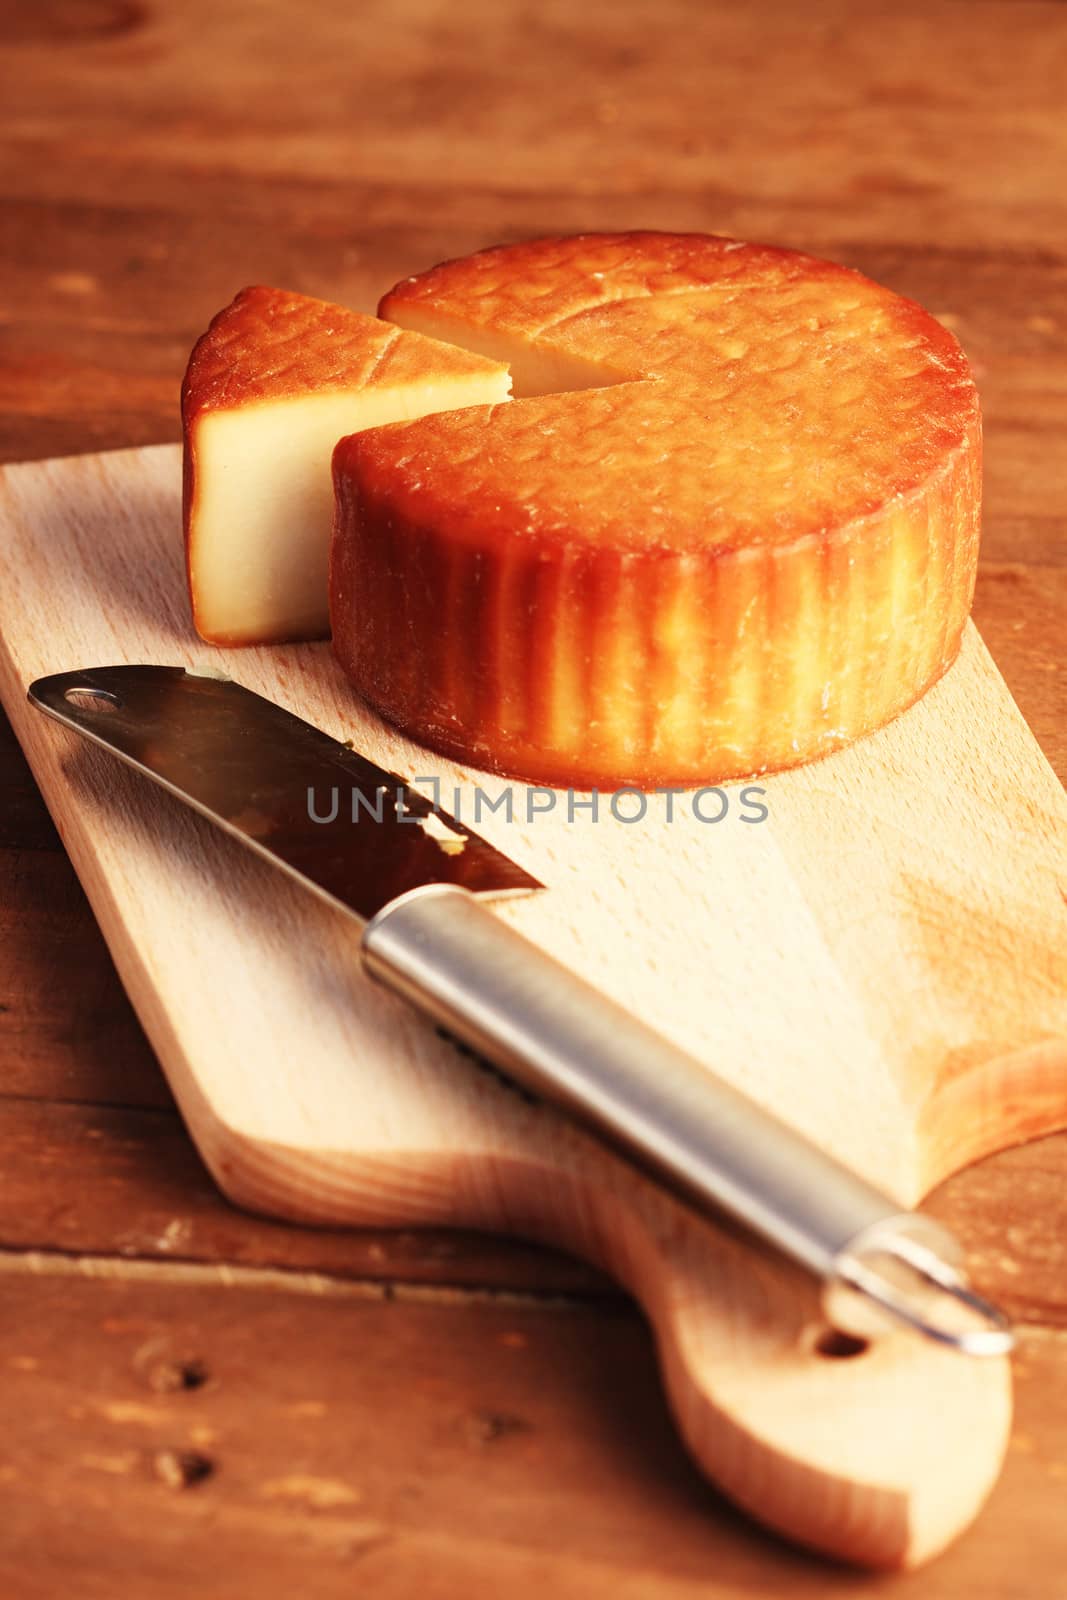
(24, 820)
(123, 241)
(128, 1183)
(67, 1030)
(1011, 1213)
(1022, 611)
(309, 1442)
(95, 356)
(868, 129)
(142, 1193)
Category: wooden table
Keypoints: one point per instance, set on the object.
(198, 1401)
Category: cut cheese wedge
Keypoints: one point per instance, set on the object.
(270, 388)
(747, 535)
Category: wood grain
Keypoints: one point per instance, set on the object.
(402, 1445)
(908, 888)
(923, 144)
(106, 1180)
(144, 1195)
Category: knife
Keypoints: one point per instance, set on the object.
(418, 883)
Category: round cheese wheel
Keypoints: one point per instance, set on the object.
(729, 522)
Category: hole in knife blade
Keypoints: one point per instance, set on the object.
(89, 699)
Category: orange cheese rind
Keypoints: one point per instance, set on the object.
(752, 543)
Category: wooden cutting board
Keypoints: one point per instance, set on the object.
(882, 961)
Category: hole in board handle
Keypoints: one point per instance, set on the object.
(87, 699)
(839, 1346)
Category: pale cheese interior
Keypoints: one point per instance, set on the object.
(259, 554)
(536, 369)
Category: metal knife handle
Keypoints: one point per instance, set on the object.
(557, 1036)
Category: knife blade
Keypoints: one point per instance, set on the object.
(416, 881)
